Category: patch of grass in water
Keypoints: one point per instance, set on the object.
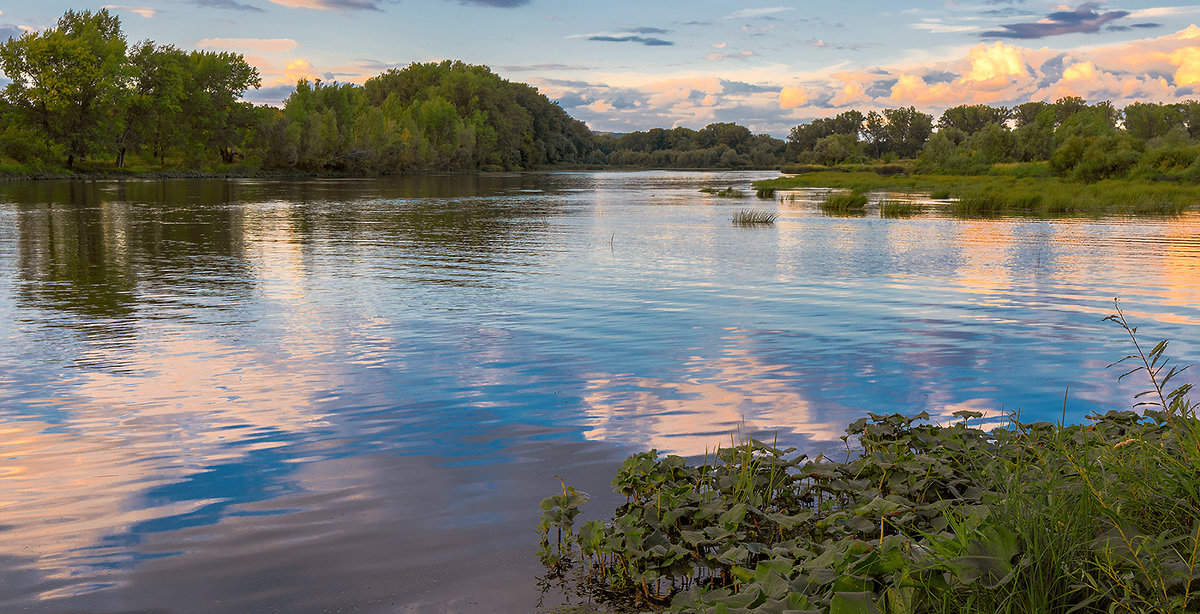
(898, 208)
(844, 203)
(1016, 194)
(724, 192)
(754, 217)
(765, 193)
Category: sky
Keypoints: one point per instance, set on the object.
(622, 65)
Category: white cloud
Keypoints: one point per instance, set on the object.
(759, 12)
(140, 10)
(256, 44)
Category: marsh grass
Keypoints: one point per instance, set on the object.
(1016, 193)
(844, 203)
(923, 518)
(754, 217)
(724, 192)
(898, 208)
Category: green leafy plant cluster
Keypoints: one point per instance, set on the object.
(1040, 517)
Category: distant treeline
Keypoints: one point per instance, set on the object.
(1074, 139)
(79, 91)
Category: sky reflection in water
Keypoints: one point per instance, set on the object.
(320, 394)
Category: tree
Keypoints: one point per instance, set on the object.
(216, 119)
(67, 80)
(971, 118)
(907, 130)
(1146, 121)
(805, 136)
(152, 115)
(1027, 113)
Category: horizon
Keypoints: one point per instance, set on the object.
(624, 67)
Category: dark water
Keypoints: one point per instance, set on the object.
(349, 396)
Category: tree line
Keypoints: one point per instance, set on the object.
(1069, 137)
(79, 91)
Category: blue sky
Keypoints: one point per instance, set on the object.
(622, 65)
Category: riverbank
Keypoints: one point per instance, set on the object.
(1021, 189)
(924, 518)
(17, 173)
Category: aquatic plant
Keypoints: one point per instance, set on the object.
(753, 217)
(844, 203)
(724, 192)
(765, 193)
(924, 517)
(898, 208)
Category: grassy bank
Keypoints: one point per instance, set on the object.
(925, 518)
(1013, 190)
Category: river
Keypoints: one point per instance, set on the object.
(349, 395)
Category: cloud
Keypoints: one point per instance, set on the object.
(331, 5)
(792, 97)
(649, 30)
(996, 66)
(271, 45)
(821, 44)
(225, 4)
(544, 67)
(1085, 19)
(717, 56)
(936, 26)
(649, 42)
(7, 32)
(758, 12)
(504, 4)
(139, 10)
(629, 36)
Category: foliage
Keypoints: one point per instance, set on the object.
(1023, 518)
(66, 81)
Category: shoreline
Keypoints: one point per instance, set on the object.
(260, 173)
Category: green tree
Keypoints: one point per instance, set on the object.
(67, 81)
(971, 118)
(1146, 121)
(216, 120)
(906, 130)
(152, 109)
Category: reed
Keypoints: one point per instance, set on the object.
(754, 217)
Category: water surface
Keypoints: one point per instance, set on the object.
(349, 395)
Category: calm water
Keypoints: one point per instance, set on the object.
(320, 396)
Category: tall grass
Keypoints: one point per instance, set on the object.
(754, 217)
(898, 208)
(1015, 193)
(844, 203)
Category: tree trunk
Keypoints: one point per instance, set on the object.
(121, 158)
(70, 161)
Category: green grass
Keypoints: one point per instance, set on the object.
(754, 217)
(924, 518)
(898, 208)
(1014, 193)
(843, 203)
